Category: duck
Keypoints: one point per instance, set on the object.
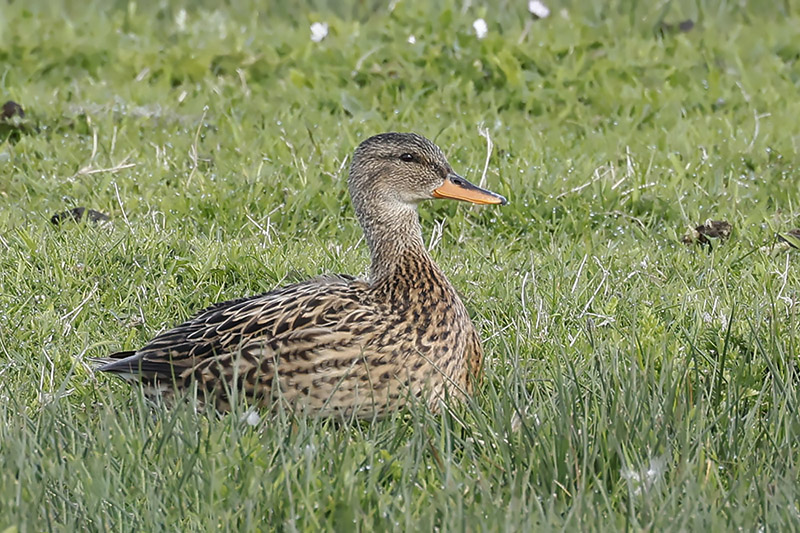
(338, 345)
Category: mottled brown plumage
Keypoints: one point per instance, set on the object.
(336, 344)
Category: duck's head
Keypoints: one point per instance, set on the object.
(403, 169)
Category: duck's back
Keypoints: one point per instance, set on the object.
(332, 345)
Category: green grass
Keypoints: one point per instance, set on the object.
(632, 382)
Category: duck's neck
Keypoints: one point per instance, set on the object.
(394, 237)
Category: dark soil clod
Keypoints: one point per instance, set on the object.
(77, 214)
(683, 26)
(12, 109)
(13, 124)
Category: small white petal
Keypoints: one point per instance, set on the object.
(538, 9)
(411, 39)
(481, 29)
(319, 30)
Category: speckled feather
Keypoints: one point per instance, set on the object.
(333, 345)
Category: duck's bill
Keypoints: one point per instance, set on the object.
(458, 188)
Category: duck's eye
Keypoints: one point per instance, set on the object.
(408, 158)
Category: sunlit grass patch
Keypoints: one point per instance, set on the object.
(632, 381)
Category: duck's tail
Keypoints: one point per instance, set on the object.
(132, 367)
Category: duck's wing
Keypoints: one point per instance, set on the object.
(298, 311)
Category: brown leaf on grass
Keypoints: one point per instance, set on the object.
(786, 241)
(708, 232)
(791, 238)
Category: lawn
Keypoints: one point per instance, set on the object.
(632, 381)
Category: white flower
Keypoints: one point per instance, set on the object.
(252, 418)
(411, 39)
(180, 20)
(538, 9)
(480, 27)
(641, 481)
(319, 30)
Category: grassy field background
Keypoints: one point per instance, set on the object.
(633, 382)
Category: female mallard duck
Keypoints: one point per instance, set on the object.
(336, 344)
